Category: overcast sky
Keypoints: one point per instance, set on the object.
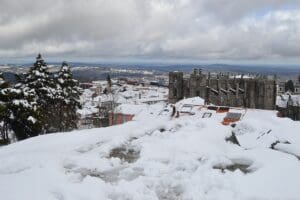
(212, 30)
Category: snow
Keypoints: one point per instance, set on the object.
(289, 149)
(186, 108)
(130, 109)
(132, 95)
(159, 157)
(191, 101)
(32, 119)
(283, 100)
(21, 102)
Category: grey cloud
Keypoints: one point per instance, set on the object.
(196, 29)
(233, 10)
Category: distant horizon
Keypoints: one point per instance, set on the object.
(147, 61)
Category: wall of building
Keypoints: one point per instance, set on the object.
(281, 88)
(176, 85)
(119, 118)
(297, 88)
(292, 112)
(258, 92)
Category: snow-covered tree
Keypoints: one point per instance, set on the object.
(40, 81)
(41, 102)
(109, 82)
(32, 100)
(70, 98)
(3, 111)
(22, 106)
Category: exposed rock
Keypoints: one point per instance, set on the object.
(127, 154)
(233, 139)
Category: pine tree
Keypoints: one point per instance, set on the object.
(42, 82)
(23, 116)
(108, 79)
(31, 101)
(41, 102)
(21, 107)
(289, 86)
(3, 111)
(70, 95)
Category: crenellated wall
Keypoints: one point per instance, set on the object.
(219, 89)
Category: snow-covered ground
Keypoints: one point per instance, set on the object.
(159, 157)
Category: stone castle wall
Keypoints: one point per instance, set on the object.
(255, 92)
(292, 112)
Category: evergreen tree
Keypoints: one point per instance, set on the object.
(41, 102)
(3, 111)
(42, 82)
(70, 95)
(289, 86)
(109, 83)
(22, 108)
(31, 101)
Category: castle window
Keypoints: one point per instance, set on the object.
(197, 93)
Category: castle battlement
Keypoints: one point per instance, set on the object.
(250, 91)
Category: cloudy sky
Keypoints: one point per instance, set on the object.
(262, 31)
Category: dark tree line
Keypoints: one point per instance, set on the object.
(41, 102)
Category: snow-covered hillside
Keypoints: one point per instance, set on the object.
(159, 157)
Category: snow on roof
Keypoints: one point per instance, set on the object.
(245, 76)
(283, 100)
(87, 111)
(192, 101)
(233, 115)
(130, 109)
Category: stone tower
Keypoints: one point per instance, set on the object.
(197, 84)
(176, 90)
